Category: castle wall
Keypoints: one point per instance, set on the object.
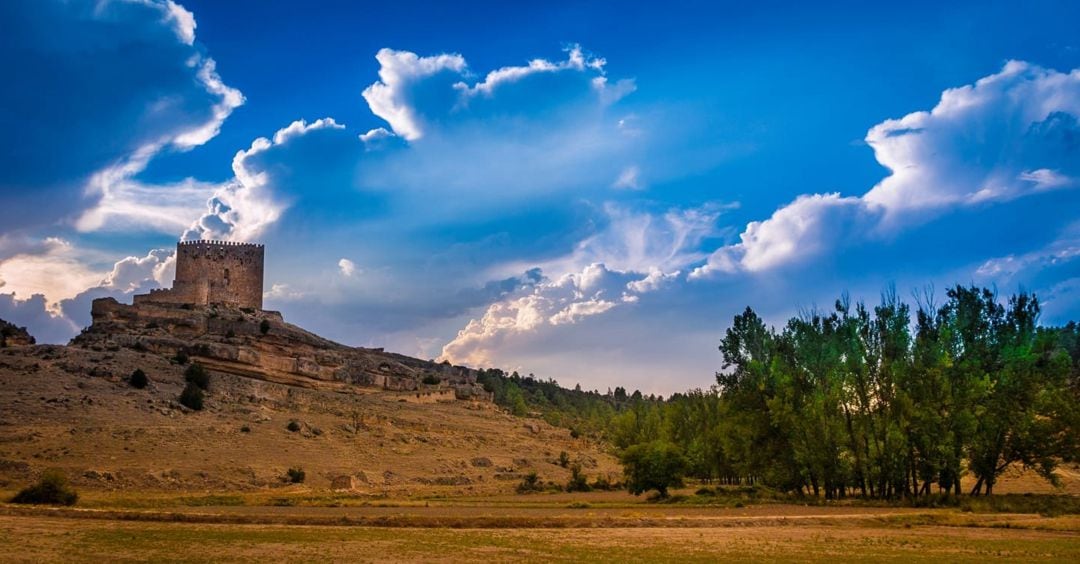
(214, 272)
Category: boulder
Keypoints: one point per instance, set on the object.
(343, 483)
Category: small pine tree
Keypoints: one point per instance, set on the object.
(138, 379)
(530, 483)
(564, 459)
(192, 397)
(293, 426)
(197, 374)
(578, 482)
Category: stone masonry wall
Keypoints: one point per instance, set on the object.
(214, 272)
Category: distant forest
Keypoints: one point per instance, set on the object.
(881, 402)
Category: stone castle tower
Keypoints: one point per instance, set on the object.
(214, 272)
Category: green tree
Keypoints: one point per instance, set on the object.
(192, 397)
(138, 379)
(197, 374)
(515, 400)
(657, 465)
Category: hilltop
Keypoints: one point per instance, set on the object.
(365, 420)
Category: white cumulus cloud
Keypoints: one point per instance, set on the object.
(1008, 135)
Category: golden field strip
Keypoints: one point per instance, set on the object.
(607, 526)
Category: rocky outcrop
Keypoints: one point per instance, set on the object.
(12, 335)
(260, 344)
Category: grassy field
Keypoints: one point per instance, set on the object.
(42, 539)
(599, 526)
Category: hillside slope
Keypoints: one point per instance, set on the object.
(72, 408)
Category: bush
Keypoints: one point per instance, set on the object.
(431, 380)
(658, 465)
(564, 459)
(192, 397)
(138, 379)
(295, 475)
(196, 374)
(51, 489)
(180, 358)
(293, 426)
(245, 429)
(264, 327)
(603, 483)
(530, 483)
(578, 482)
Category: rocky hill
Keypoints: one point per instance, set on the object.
(279, 397)
(260, 344)
(12, 335)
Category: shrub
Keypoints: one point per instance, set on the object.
(180, 358)
(578, 482)
(245, 429)
(295, 475)
(530, 483)
(196, 374)
(602, 483)
(564, 459)
(293, 426)
(264, 326)
(431, 380)
(138, 379)
(192, 397)
(51, 489)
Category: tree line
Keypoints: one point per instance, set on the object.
(884, 402)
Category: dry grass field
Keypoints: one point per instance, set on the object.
(790, 533)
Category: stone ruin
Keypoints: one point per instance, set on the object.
(214, 272)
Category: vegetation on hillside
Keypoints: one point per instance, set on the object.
(583, 412)
(51, 489)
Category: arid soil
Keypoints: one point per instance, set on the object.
(73, 409)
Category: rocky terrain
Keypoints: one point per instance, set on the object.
(12, 335)
(279, 397)
(260, 344)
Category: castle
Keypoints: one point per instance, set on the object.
(214, 272)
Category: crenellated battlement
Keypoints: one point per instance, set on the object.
(216, 243)
(215, 272)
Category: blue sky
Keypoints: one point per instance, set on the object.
(587, 192)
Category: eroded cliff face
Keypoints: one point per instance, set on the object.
(260, 344)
